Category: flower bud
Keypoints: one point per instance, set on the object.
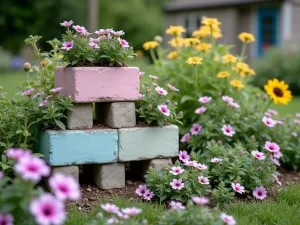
(150, 106)
(180, 113)
(265, 97)
(168, 102)
(158, 38)
(252, 137)
(219, 142)
(44, 63)
(26, 133)
(175, 103)
(242, 152)
(27, 66)
(220, 93)
(13, 101)
(212, 141)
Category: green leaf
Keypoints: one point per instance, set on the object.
(60, 124)
(39, 155)
(186, 98)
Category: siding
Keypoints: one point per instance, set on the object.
(295, 35)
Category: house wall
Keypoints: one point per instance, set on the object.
(294, 42)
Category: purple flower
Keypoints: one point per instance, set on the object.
(269, 122)
(164, 110)
(176, 170)
(203, 180)
(110, 208)
(94, 45)
(200, 200)
(68, 45)
(43, 103)
(56, 90)
(228, 130)
(227, 99)
(184, 156)
(204, 99)
(28, 92)
(172, 88)
(67, 23)
(141, 190)
(6, 219)
(177, 184)
(176, 205)
(196, 129)
(118, 33)
(260, 193)
(95, 39)
(148, 195)
(238, 188)
(17, 153)
(80, 29)
(272, 146)
(185, 137)
(124, 43)
(132, 211)
(200, 110)
(229, 220)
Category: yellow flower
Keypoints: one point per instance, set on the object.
(246, 37)
(278, 91)
(190, 41)
(194, 60)
(228, 58)
(205, 31)
(176, 42)
(172, 55)
(223, 74)
(150, 44)
(237, 84)
(60, 56)
(243, 69)
(203, 47)
(175, 30)
(139, 53)
(210, 21)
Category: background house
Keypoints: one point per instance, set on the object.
(273, 22)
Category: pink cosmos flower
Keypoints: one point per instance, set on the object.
(238, 188)
(132, 211)
(80, 29)
(67, 23)
(200, 166)
(279, 122)
(294, 134)
(260, 193)
(172, 87)
(140, 191)
(56, 90)
(228, 130)
(203, 180)
(110, 208)
(123, 216)
(37, 95)
(216, 160)
(196, 129)
(177, 205)
(95, 39)
(43, 103)
(277, 155)
(234, 105)
(258, 155)
(176, 170)
(148, 195)
(67, 45)
(161, 91)
(200, 200)
(269, 122)
(177, 184)
(32, 168)
(229, 220)
(103, 31)
(47, 210)
(112, 220)
(297, 114)
(17, 153)
(94, 45)
(184, 156)
(152, 77)
(164, 110)
(200, 110)
(277, 180)
(275, 161)
(28, 92)
(297, 122)
(185, 137)
(6, 219)
(227, 99)
(65, 187)
(86, 33)
(141, 74)
(267, 114)
(272, 112)
(190, 163)
(204, 99)
(272, 146)
(124, 43)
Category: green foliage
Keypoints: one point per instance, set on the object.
(287, 68)
(5, 59)
(148, 111)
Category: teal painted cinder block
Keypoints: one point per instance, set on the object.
(75, 147)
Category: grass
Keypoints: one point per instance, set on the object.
(292, 108)
(10, 81)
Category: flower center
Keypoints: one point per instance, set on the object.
(32, 168)
(278, 92)
(63, 188)
(259, 193)
(227, 130)
(48, 211)
(164, 110)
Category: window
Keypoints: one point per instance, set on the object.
(191, 23)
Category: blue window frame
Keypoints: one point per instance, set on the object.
(267, 24)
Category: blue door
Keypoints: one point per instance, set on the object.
(267, 29)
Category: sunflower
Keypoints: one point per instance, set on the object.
(278, 91)
(194, 60)
(150, 44)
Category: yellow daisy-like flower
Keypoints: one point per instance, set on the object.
(203, 47)
(150, 44)
(175, 30)
(205, 31)
(246, 37)
(139, 53)
(278, 91)
(216, 59)
(190, 41)
(176, 42)
(223, 74)
(210, 21)
(194, 60)
(237, 84)
(228, 58)
(243, 69)
(172, 55)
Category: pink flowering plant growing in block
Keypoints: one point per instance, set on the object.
(104, 47)
(155, 107)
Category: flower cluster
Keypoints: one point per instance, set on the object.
(44, 207)
(107, 49)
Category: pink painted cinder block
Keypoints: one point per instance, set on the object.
(98, 84)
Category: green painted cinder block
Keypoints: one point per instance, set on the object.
(75, 147)
(141, 143)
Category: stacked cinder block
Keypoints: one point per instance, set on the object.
(113, 91)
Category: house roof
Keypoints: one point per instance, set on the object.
(187, 5)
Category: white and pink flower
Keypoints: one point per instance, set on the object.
(177, 184)
(204, 99)
(118, 33)
(124, 43)
(275, 161)
(152, 77)
(47, 210)
(95, 39)
(258, 155)
(297, 122)
(237, 187)
(164, 110)
(67, 45)
(110, 208)
(177, 205)
(185, 138)
(228, 130)
(28, 92)
(200, 166)
(216, 160)
(260, 193)
(148, 195)
(176, 170)
(56, 90)
(6, 219)
(272, 146)
(184, 156)
(80, 29)
(277, 155)
(67, 23)
(227, 99)
(200, 200)
(190, 163)
(228, 220)
(234, 105)
(172, 88)
(17, 153)
(277, 180)
(294, 134)
(43, 103)
(269, 122)
(196, 128)
(132, 211)
(203, 180)
(200, 110)
(141, 190)
(94, 45)
(161, 91)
